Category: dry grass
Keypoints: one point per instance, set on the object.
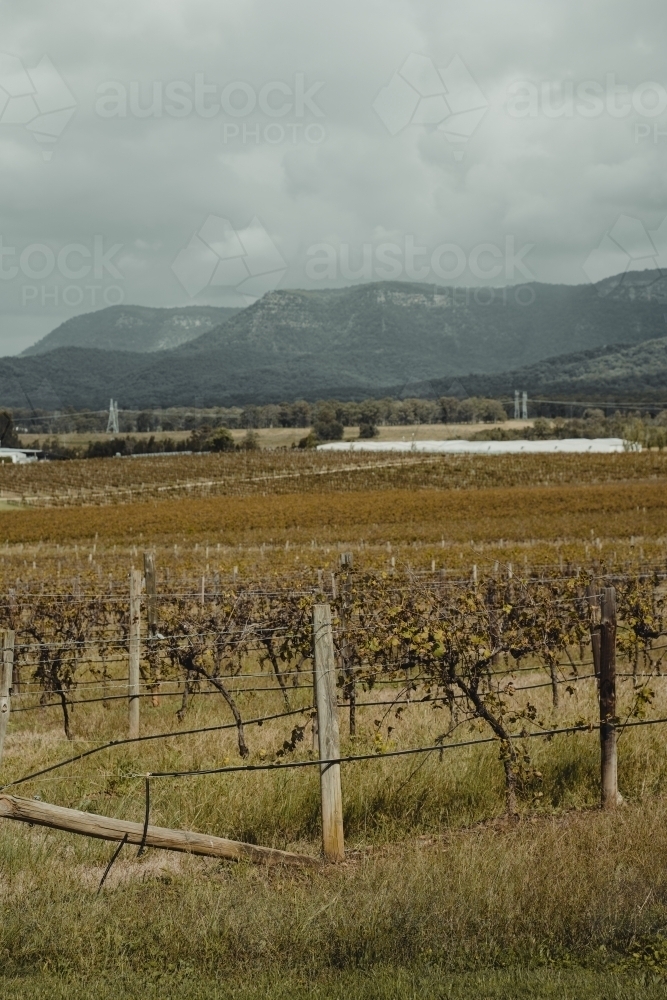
(427, 982)
(385, 800)
(582, 886)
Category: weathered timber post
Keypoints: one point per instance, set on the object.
(327, 733)
(6, 673)
(16, 679)
(491, 602)
(509, 590)
(608, 759)
(315, 731)
(106, 828)
(150, 579)
(345, 608)
(594, 611)
(135, 650)
(151, 592)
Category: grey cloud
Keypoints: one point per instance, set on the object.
(149, 183)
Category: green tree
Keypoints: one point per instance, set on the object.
(8, 436)
(328, 430)
(250, 441)
(222, 440)
(146, 421)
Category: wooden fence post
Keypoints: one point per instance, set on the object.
(150, 578)
(594, 611)
(6, 674)
(151, 592)
(608, 760)
(491, 601)
(16, 678)
(327, 733)
(135, 650)
(346, 562)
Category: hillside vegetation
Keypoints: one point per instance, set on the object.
(132, 328)
(607, 374)
(351, 343)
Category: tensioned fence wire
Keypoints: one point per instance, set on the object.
(152, 736)
(235, 768)
(230, 682)
(433, 579)
(229, 769)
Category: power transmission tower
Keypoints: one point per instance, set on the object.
(112, 422)
(524, 406)
(517, 411)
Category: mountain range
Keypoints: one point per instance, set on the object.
(364, 340)
(133, 328)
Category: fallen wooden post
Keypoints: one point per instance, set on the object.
(106, 828)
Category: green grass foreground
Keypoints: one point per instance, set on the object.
(385, 983)
(584, 888)
(440, 895)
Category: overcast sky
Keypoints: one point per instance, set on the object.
(171, 152)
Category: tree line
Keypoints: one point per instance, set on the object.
(387, 411)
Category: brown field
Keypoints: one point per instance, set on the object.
(610, 510)
(292, 513)
(439, 890)
(104, 481)
(286, 437)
